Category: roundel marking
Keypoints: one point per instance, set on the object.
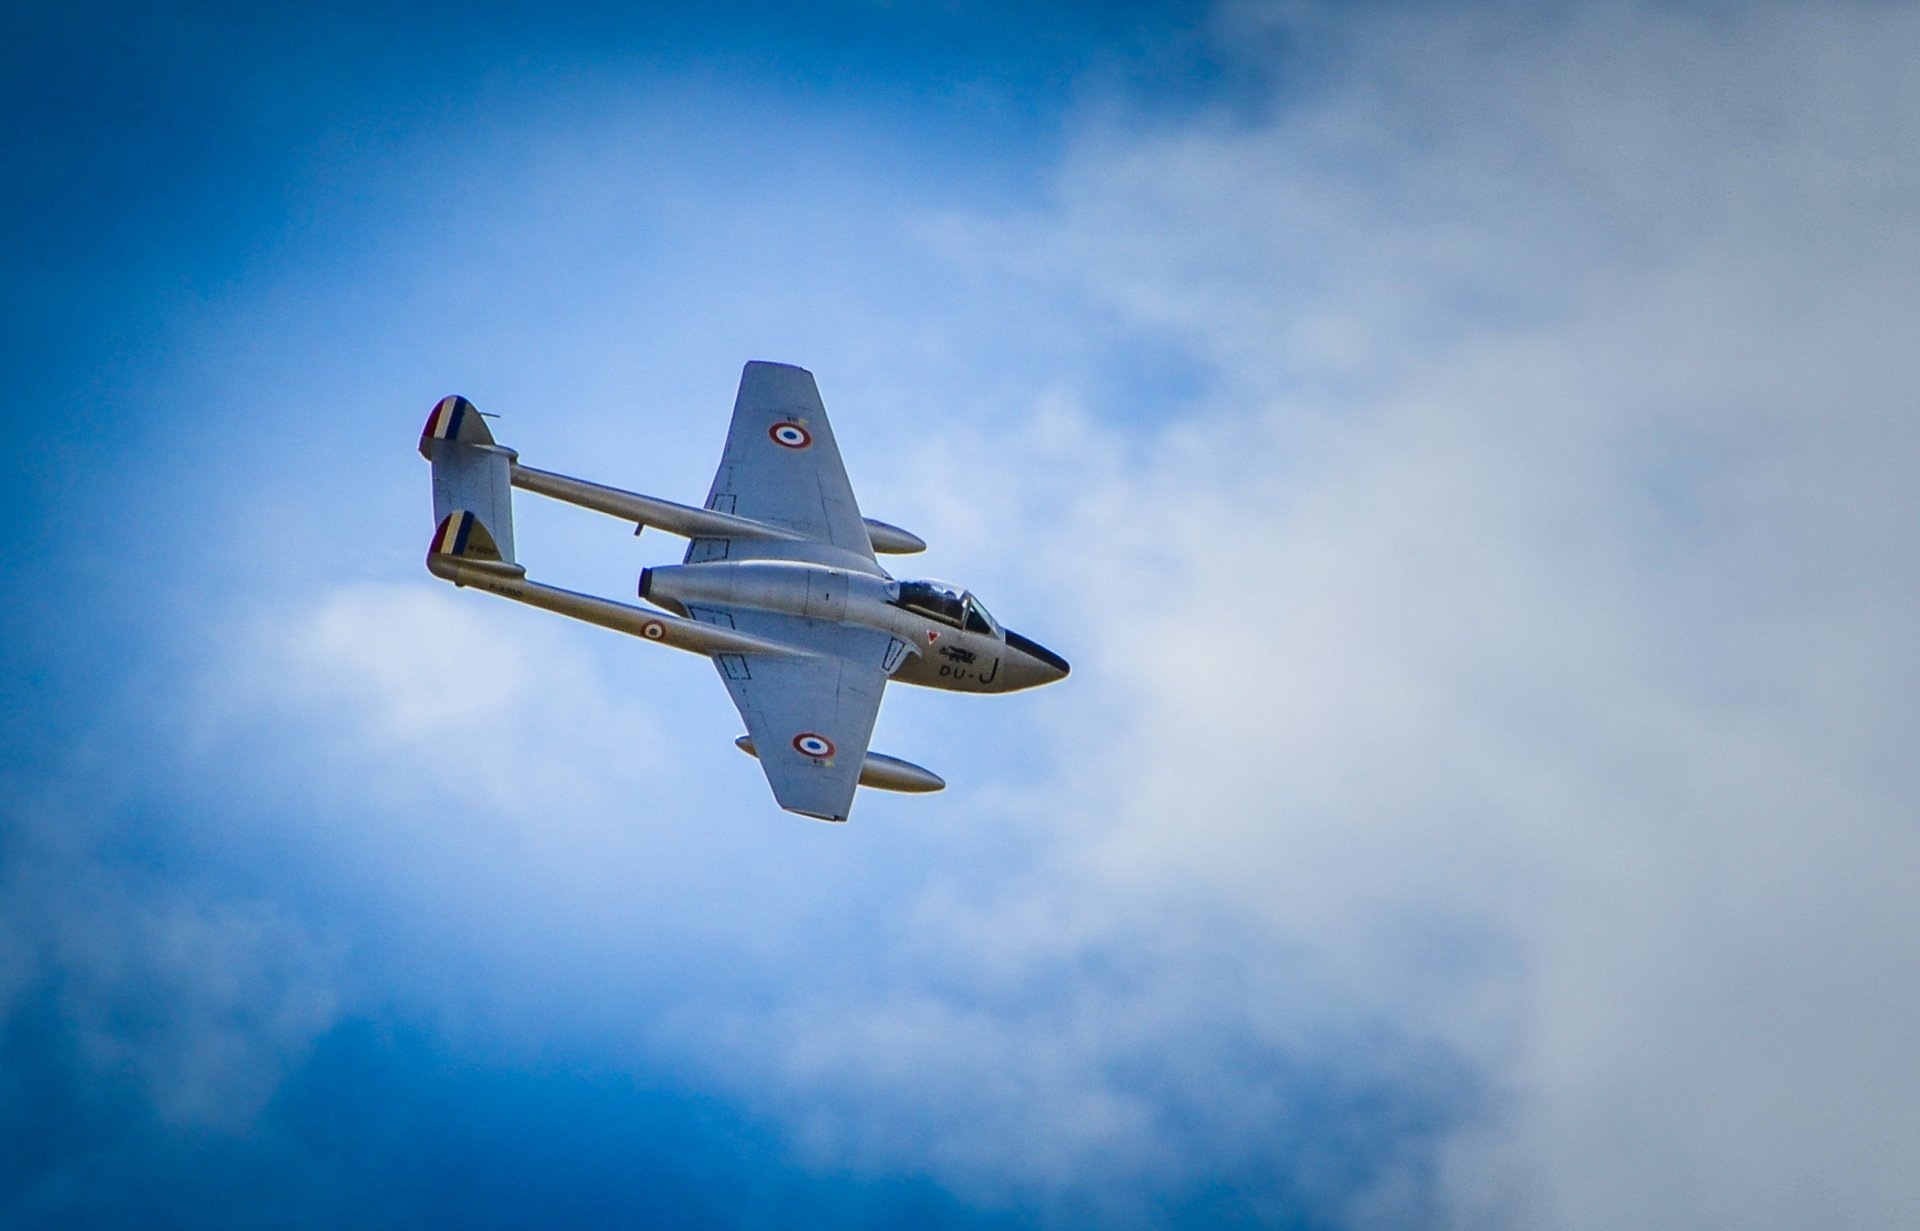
(653, 630)
(809, 744)
(790, 435)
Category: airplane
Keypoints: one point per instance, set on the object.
(779, 586)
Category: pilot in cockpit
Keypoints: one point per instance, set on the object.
(947, 603)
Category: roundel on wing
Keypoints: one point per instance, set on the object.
(790, 435)
(812, 744)
(653, 630)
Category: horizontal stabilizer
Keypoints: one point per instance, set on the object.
(879, 771)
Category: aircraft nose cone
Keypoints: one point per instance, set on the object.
(1046, 666)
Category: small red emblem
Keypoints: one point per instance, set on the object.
(933, 635)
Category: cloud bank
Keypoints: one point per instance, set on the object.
(1470, 465)
(1537, 575)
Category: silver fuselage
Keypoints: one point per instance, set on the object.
(941, 654)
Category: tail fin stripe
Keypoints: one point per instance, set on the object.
(446, 419)
(450, 529)
(460, 538)
(454, 420)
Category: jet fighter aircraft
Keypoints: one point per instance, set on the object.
(779, 587)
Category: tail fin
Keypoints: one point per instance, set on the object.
(464, 535)
(465, 553)
(471, 475)
(454, 418)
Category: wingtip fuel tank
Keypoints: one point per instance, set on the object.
(880, 771)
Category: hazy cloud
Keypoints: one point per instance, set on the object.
(1510, 633)
(1537, 657)
(1472, 471)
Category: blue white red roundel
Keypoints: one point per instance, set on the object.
(790, 435)
(808, 744)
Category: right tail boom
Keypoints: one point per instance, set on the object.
(474, 474)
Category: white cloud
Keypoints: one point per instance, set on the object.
(1493, 683)
(198, 1005)
(501, 711)
(1516, 636)
(1536, 658)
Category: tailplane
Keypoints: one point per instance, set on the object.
(471, 475)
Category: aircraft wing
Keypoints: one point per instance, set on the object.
(810, 716)
(782, 466)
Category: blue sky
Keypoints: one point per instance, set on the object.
(1466, 452)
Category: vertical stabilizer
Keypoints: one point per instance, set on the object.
(470, 472)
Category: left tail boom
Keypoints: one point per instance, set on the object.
(464, 553)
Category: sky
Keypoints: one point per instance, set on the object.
(1468, 453)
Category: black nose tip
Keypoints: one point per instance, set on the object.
(1041, 652)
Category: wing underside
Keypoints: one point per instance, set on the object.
(782, 466)
(810, 716)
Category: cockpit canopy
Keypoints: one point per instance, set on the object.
(947, 603)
